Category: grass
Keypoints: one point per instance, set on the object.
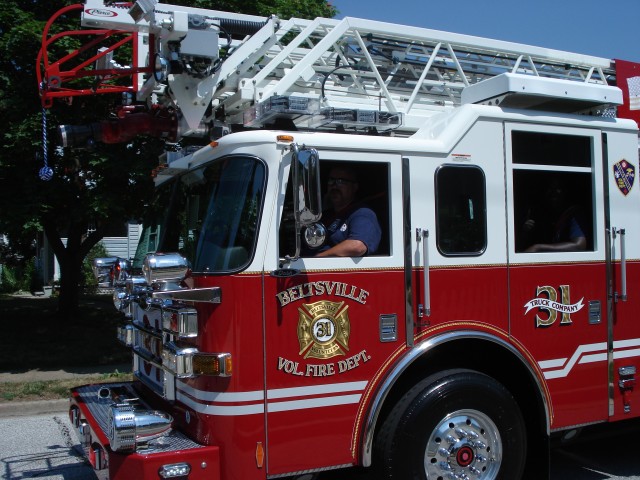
(36, 336)
(53, 389)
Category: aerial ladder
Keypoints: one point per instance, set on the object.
(203, 73)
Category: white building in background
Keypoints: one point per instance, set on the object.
(122, 244)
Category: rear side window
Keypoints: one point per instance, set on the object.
(461, 212)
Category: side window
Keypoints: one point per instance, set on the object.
(362, 211)
(461, 211)
(552, 192)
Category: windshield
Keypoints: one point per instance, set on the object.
(209, 215)
(159, 216)
(228, 235)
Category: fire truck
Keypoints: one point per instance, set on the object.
(459, 346)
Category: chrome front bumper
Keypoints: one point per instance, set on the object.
(92, 417)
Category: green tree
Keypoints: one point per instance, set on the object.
(90, 190)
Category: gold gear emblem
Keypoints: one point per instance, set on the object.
(323, 329)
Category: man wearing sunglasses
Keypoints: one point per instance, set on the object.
(352, 228)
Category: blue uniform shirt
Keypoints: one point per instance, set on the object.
(359, 224)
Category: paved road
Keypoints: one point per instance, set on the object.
(44, 447)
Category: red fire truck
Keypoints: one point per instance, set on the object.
(459, 346)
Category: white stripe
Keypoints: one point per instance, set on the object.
(602, 357)
(316, 390)
(258, 395)
(312, 403)
(634, 342)
(256, 398)
(552, 363)
(580, 356)
(222, 411)
(222, 397)
(627, 353)
(574, 358)
(596, 357)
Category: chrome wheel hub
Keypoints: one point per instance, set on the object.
(465, 445)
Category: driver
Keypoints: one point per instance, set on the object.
(352, 228)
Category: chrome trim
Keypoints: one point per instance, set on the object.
(130, 426)
(388, 327)
(164, 267)
(422, 235)
(408, 359)
(126, 334)
(609, 274)
(186, 321)
(623, 263)
(120, 298)
(628, 370)
(406, 227)
(139, 373)
(207, 295)
(309, 471)
(178, 361)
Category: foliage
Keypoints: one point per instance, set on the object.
(89, 280)
(26, 277)
(8, 281)
(31, 279)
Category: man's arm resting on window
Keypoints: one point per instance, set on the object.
(577, 244)
(346, 248)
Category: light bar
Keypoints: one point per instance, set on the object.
(281, 106)
(354, 117)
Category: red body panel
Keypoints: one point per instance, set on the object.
(314, 424)
(578, 390)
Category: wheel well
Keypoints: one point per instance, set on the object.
(485, 356)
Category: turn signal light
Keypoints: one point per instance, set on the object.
(217, 364)
(188, 362)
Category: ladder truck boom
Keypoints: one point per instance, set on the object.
(209, 72)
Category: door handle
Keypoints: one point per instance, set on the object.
(623, 264)
(424, 309)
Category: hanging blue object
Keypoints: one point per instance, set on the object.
(46, 172)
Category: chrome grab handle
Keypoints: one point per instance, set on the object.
(423, 236)
(623, 262)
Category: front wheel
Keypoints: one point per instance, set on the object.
(455, 424)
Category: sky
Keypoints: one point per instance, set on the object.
(600, 28)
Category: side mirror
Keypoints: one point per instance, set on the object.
(307, 196)
(315, 235)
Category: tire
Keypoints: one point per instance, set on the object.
(454, 424)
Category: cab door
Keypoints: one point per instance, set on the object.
(331, 323)
(557, 264)
(623, 272)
